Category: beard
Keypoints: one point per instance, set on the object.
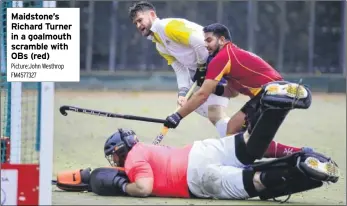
(146, 32)
(215, 52)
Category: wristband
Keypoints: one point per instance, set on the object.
(179, 115)
(123, 187)
(183, 91)
(219, 90)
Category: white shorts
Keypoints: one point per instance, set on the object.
(212, 100)
(214, 170)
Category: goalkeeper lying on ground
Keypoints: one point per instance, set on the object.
(215, 168)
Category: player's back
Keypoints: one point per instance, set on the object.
(248, 72)
(169, 166)
(251, 64)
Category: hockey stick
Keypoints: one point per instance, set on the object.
(164, 130)
(65, 108)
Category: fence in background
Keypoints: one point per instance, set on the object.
(294, 36)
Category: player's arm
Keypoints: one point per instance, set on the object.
(182, 73)
(177, 31)
(217, 68)
(142, 187)
(142, 173)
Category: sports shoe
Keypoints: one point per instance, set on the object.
(328, 171)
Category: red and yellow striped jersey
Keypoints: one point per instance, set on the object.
(243, 70)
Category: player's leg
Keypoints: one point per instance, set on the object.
(228, 182)
(223, 182)
(298, 172)
(238, 123)
(269, 179)
(215, 110)
(271, 111)
(219, 118)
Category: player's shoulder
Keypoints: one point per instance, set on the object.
(136, 150)
(173, 19)
(162, 23)
(172, 23)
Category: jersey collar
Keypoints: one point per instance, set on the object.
(154, 29)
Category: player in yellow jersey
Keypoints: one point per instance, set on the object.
(181, 43)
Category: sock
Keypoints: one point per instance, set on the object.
(222, 125)
(276, 150)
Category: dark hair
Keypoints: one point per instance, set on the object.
(140, 6)
(218, 30)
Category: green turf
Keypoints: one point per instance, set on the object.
(79, 139)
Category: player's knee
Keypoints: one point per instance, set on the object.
(215, 113)
(101, 181)
(258, 185)
(212, 180)
(273, 178)
(236, 123)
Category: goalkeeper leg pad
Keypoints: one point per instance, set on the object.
(285, 182)
(74, 180)
(294, 173)
(282, 94)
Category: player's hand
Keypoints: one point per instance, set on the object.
(173, 120)
(181, 101)
(200, 74)
(120, 182)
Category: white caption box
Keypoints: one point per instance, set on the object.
(43, 44)
(9, 186)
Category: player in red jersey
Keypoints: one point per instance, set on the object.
(214, 168)
(244, 72)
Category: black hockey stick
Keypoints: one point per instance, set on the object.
(65, 108)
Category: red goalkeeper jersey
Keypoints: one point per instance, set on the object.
(243, 70)
(166, 165)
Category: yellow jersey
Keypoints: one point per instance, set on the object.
(181, 43)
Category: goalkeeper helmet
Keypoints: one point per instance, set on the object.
(118, 145)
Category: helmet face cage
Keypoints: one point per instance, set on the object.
(121, 151)
(122, 148)
(110, 159)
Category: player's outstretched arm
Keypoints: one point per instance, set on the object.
(207, 88)
(142, 187)
(217, 68)
(199, 97)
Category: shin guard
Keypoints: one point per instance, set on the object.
(262, 130)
